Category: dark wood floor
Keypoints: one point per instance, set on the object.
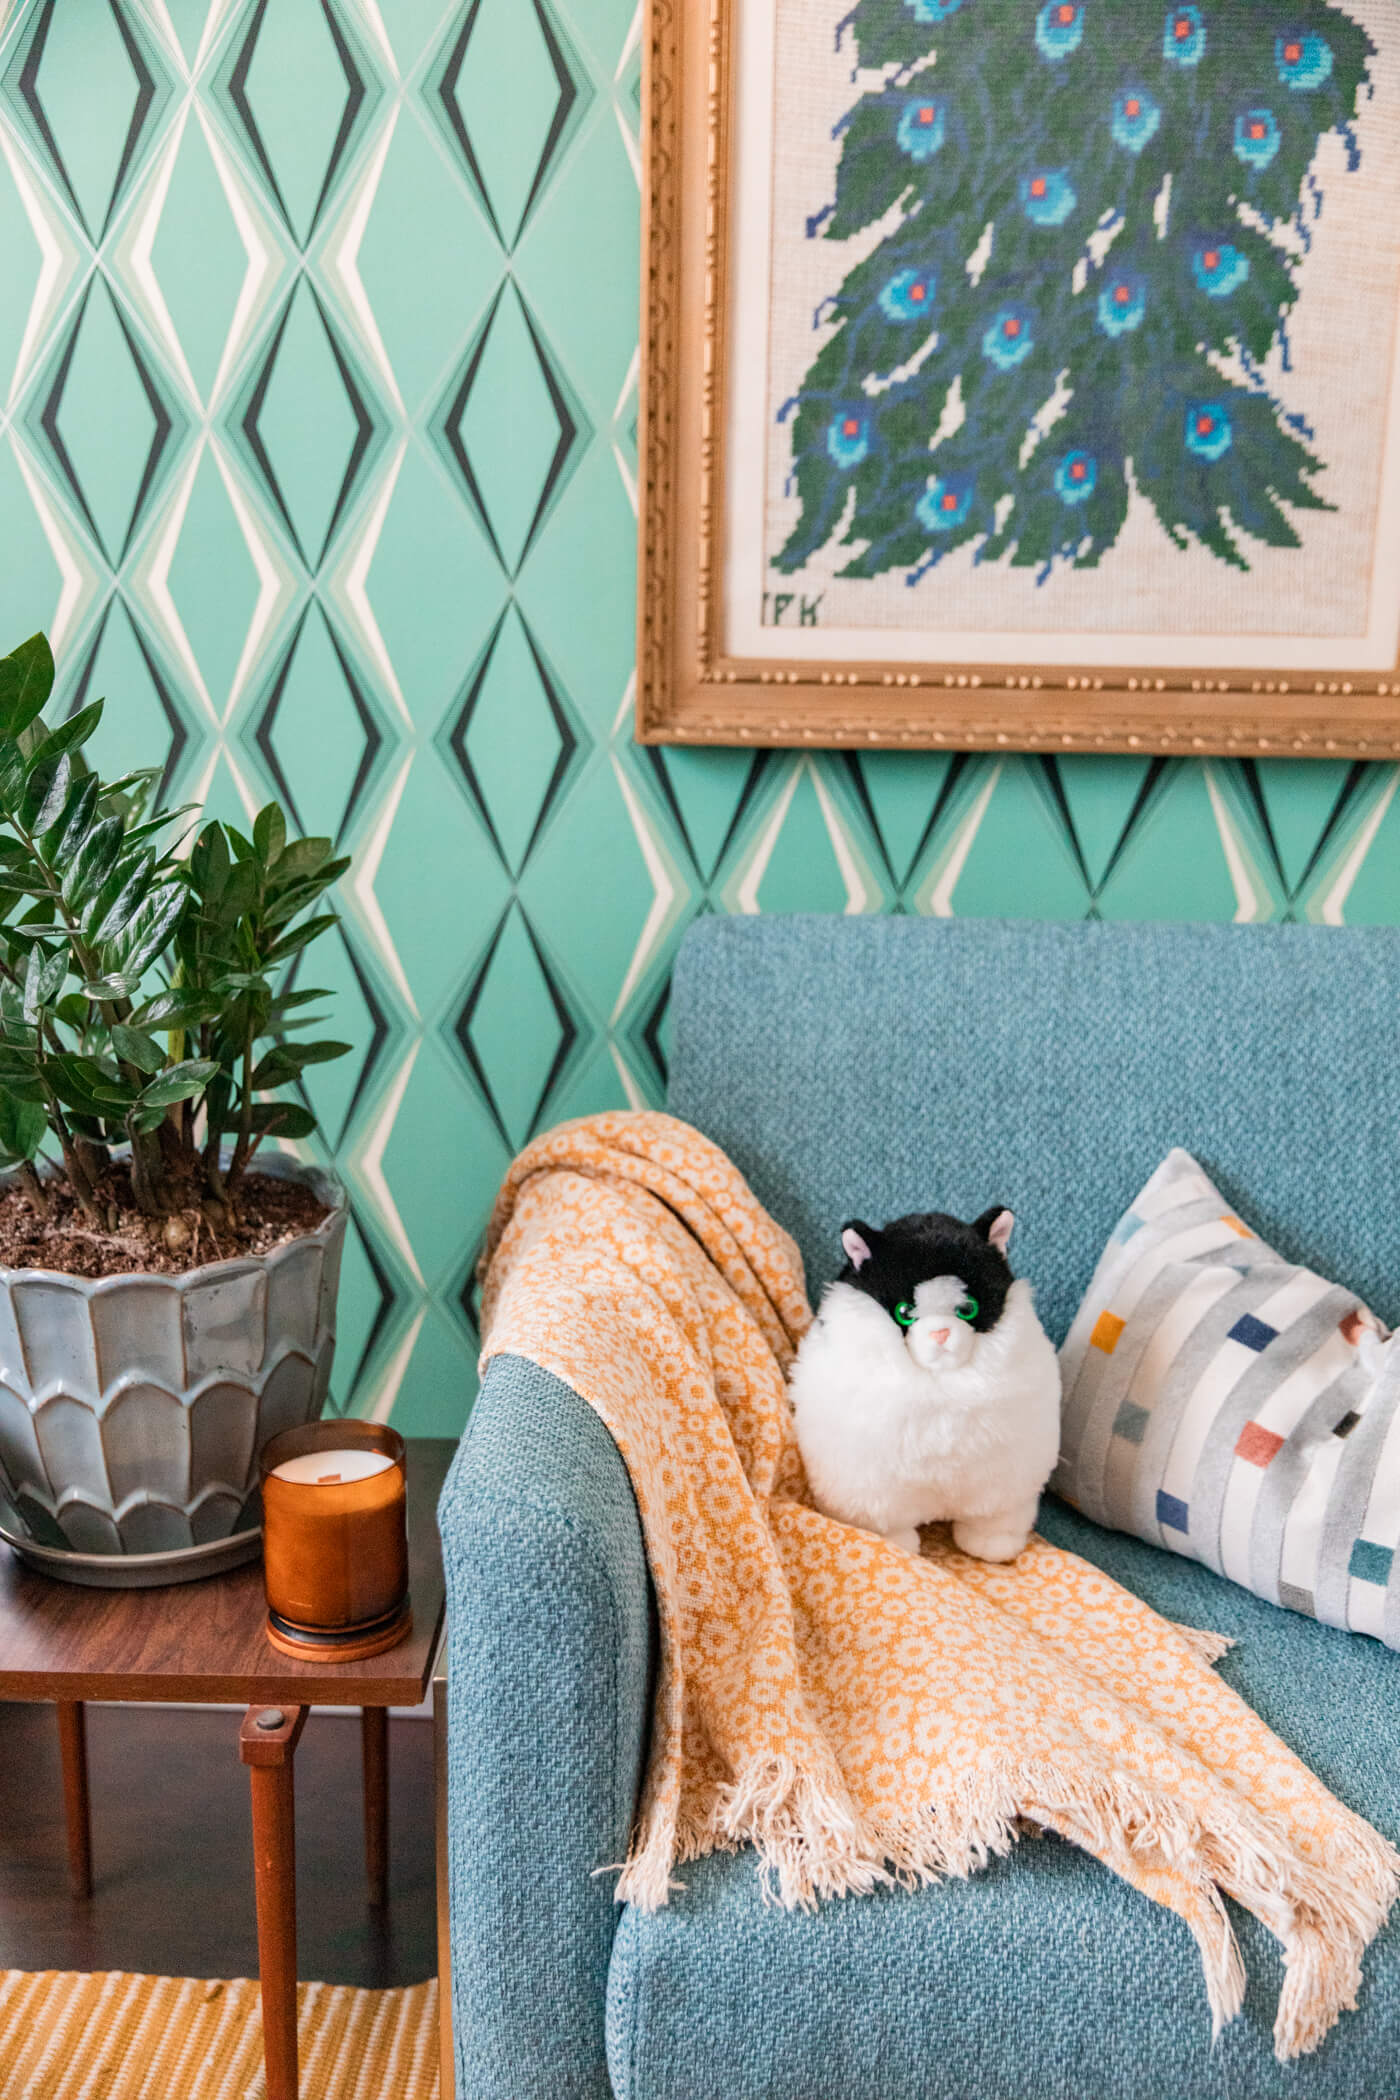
(171, 1850)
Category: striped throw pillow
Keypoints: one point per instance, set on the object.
(1226, 1404)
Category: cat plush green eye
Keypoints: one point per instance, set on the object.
(967, 1308)
(907, 1313)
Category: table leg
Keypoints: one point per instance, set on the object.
(374, 1745)
(72, 1743)
(266, 1743)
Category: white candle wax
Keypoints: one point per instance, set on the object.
(329, 1468)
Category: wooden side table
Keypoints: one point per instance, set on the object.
(203, 1642)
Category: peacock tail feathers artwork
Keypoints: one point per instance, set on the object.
(1094, 214)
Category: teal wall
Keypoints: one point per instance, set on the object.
(318, 457)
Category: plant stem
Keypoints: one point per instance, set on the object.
(77, 1173)
(213, 1172)
(33, 1187)
(142, 1187)
(245, 1111)
(95, 1158)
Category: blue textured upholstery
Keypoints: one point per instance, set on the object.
(868, 1067)
(1044, 1978)
(549, 1665)
(871, 1066)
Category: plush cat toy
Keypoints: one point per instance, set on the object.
(927, 1389)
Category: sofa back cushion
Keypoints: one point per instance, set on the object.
(867, 1067)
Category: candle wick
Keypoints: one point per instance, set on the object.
(325, 1479)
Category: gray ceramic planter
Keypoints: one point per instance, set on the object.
(133, 1408)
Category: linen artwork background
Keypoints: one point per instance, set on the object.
(1101, 296)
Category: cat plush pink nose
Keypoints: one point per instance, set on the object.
(941, 1334)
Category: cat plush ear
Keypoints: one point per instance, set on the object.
(855, 1238)
(995, 1224)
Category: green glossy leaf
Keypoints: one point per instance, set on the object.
(270, 832)
(26, 680)
(25, 1085)
(285, 904)
(286, 1001)
(286, 1060)
(43, 975)
(76, 822)
(23, 1127)
(113, 986)
(144, 1120)
(238, 895)
(158, 822)
(83, 1084)
(45, 791)
(209, 862)
(302, 858)
(286, 1119)
(291, 943)
(176, 1009)
(137, 877)
(92, 863)
(179, 1082)
(131, 790)
(151, 927)
(135, 1047)
(13, 767)
(76, 730)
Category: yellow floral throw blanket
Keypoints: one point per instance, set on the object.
(855, 1714)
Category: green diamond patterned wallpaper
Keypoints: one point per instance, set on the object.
(318, 457)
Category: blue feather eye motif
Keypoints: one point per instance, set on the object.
(1122, 304)
(1047, 197)
(944, 506)
(1219, 269)
(1076, 477)
(1184, 37)
(922, 128)
(1136, 120)
(848, 437)
(1208, 431)
(1009, 339)
(1257, 137)
(1303, 61)
(1059, 28)
(931, 11)
(908, 296)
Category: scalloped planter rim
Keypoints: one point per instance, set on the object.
(133, 1408)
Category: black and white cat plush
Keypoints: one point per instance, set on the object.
(927, 1389)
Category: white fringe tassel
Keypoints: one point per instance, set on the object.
(811, 1844)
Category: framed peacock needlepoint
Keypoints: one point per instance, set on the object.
(1022, 373)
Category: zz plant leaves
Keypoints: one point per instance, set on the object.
(142, 1000)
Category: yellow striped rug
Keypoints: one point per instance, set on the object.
(110, 2036)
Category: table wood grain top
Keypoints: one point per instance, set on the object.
(204, 1641)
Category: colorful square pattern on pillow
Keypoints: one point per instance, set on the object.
(1230, 1406)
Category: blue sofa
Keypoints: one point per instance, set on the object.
(871, 1067)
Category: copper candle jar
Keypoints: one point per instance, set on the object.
(335, 1541)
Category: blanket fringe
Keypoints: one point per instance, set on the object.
(1208, 1646)
(811, 1844)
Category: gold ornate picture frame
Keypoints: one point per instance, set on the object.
(744, 187)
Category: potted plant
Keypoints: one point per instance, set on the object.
(166, 1304)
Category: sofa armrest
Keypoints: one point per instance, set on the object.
(551, 1655)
